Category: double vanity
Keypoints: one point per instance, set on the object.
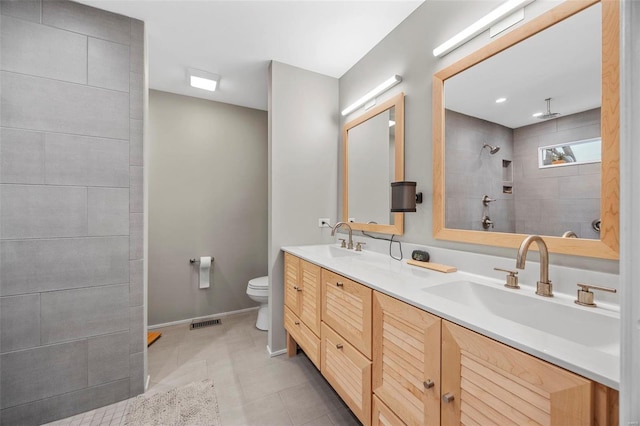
(405, 345)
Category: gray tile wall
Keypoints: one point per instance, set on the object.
(71, 225)
(552, 201)
(472, 172)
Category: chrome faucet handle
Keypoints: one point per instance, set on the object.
(585, 297)
(344, 243)
(359, 245)
(511, 279)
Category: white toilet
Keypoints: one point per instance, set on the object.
(258, 291)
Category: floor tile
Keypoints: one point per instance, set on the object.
(266, 411)
(252, 388)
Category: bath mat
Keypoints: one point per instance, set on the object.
(192, 405)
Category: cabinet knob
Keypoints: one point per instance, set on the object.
(340, 284)
(428, 384)
(339, 346)
(297, 323)
(296, 288)
(448, 397)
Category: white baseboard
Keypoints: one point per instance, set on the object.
(188, 320)
(276, 353)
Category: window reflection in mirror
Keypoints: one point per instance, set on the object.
(570, 154)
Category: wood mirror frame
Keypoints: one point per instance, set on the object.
(607, 246)
(397, 227)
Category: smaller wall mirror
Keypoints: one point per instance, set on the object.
(373, 153)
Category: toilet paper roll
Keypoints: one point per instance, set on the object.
(205, 271)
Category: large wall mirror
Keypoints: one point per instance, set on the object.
(373, 156)
(515, 128)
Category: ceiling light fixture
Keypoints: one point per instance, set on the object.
(479, 26)
(203, 80)
(386, 85)
(501, 100)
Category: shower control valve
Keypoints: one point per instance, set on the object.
(486, 200)
(486, 222)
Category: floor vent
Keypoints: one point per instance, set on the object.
(204, 323)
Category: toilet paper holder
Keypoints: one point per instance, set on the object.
(198, 260)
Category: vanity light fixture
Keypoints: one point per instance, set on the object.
(479, 26)
(501, 100)
(203, 80)
(383, 87)
(404, 197)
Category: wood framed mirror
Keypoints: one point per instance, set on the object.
(606, 115)
(373, 157)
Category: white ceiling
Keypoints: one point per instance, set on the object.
(563, 63)
(237, 39)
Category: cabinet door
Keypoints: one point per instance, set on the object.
(309, 305)
(382, 415)
(406, 360)
(346, 307)
(488, 383)
(292, 286)
(348, 371)
(303, 336)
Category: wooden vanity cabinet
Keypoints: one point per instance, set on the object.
(346, 307)
(486, 382)
(381, 415)
(406, 360)
(302, 288)
(348, 371)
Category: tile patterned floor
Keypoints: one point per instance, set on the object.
(252, 388)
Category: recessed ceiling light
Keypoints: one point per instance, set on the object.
(203, 80)
(537, 114)
(501, 100)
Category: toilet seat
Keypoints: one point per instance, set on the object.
(260, 283)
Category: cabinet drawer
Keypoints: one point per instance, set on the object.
(382, 415)
(348, 371)
(304, 337)
(346, 307)
(406, 360)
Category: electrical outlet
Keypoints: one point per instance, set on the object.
(324, 222)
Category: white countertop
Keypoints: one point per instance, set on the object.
(406, 282)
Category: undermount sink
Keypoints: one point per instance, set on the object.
(332, 251)
(592, 329)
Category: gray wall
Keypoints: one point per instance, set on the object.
(207, 197)
(71, 286)
(303, 147)
(553, 200)
(407, 51)
(472, 172)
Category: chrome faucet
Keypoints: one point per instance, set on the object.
(338, 225)
(544, 286)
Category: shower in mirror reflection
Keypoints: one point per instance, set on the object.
(492, 149)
